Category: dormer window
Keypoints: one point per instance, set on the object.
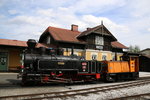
(99, 40)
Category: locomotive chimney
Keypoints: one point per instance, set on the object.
(74, 27)
(31, 43)
(89, 28)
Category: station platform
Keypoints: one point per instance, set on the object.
(144, 74)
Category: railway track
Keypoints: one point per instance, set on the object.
(70, 93)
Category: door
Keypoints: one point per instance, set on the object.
(3, 61)
(132, 64)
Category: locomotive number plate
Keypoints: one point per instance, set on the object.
(61, 63)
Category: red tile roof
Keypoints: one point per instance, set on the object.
(8, 42)
(117, 44)
(65, 35)
(62, 35)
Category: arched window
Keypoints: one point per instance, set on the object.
(94, 57)
(104, 57)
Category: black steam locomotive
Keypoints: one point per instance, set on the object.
(49, 65)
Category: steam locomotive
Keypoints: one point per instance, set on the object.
(42, 65)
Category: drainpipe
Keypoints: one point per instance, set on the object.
(72, 50)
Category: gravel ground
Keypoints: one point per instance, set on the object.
(112, 94)
(16, 90)
(95, 96)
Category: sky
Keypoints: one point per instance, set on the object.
(127, 20)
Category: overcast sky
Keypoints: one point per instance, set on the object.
(128, 20)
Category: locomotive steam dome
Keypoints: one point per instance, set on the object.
(31, 43)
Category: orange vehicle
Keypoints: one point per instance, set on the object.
(127, 68)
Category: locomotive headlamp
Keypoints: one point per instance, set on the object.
(84, 63)
(31, 43)
(83, 67)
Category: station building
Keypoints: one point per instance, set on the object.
(96, 43)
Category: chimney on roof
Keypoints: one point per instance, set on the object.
(74, 27)
(88, 28)
(101, 22)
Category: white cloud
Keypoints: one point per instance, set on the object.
(46, 12)
(60, 18)
(96, 6)
(140, 8)
(85, 13)
(12, 12)
(148, 29)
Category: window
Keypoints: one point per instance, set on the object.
(104, 57)
(75, 53)
(99, 40)
(94, 55)
(113, 58)
(48, 40)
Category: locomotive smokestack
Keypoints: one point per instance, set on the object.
(31, 43)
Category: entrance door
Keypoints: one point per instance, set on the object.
(3, 61)
(132, 64)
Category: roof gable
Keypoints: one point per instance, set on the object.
(101, 29)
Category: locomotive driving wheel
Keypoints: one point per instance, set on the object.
(24, 80)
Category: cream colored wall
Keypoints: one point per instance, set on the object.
(119, 55)
(88, 55)
(99, 54)
(89, 52)
(78, 52)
